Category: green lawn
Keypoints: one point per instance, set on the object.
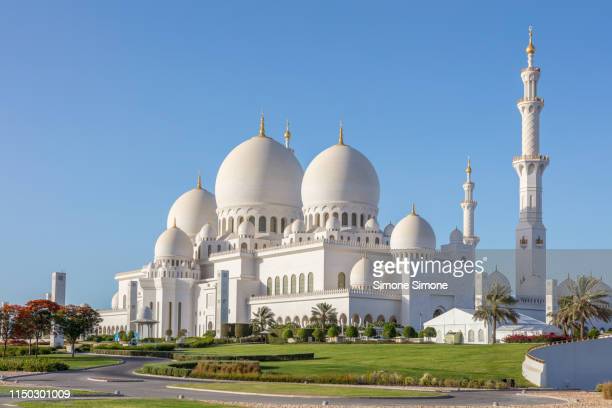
(122, 403)
(441, 360)
(309, 390)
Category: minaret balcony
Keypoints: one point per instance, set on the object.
(534, 99)
(530, 157)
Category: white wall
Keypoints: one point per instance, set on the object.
(580, 364)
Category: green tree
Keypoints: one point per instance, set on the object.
(287, 333)
(76, 321)
(352, 332)
(409, 332)
(389, 330)
(585, 302)
(333, 331)
(41, 313)
(318, 334)
(369, 331)
(429, 332)
(494, 309)
(262, 319)
(323, 314)
(8, 322)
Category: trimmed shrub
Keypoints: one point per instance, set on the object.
(410, 332)
(606, 390)
(228, 330)
(352, 332)
(389, 331)
(16, 351)
(242, 330)
(31, 364)
(540, 338)
(370, 331)
(287, 334)
(205, 369)
(593, 333)
(265, 357)
(171, 370)
(199, 342)
(142, 347)
(429, 332)
(318, 334)
(303, 334)
(426, 380)
(333, 331)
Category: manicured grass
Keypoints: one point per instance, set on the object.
(122, 403)
(440, 360)
(310, 390)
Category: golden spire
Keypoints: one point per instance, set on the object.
(530, 48)
(468, 169)
(262, 128)
(287, 134)
(199, 185)
(341, 135)
(413, 209)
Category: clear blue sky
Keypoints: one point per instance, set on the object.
(109, 109)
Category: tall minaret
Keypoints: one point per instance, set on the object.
(469, 205)
(530, 165)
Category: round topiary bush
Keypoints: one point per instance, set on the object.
(370, 331)
(318, 334)
(333, 331)
(287, 334)
(409, 332)
(389, 331)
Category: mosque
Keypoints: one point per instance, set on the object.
(275, 235)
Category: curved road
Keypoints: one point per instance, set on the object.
(148, 387)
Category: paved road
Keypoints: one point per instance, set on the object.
(138, 386)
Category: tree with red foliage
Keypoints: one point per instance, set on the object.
(8, 317)
(23, 326)
(74, 321)
(41, 313)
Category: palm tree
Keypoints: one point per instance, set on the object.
(495, 310)
(262, 319)
(563, 317)
(324, 314)
(584, 303)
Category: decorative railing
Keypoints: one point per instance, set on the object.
(330, 292)
(530, 157)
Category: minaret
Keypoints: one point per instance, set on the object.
(469, 206)
(530, 165)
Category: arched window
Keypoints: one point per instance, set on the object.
(377, 241)
(283, 224)
(310, 282)
(361, 220)
(318, 220)
(252, 220)
(341, 280)
(243, 246)
(240, 219)
(219, 248)
(230, 225)
(269, 287)
(262, 224)
(354, 219)
(285, 285)
(344, 219)
(293, 284)
(367, 240)
(470, 336)
(223, 225)
(273, 225)
(301, 283)
(481, 336)
(325, 217)
(277, 286)
(331, 238)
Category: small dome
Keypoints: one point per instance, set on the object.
(287, 230)
(456, 236)
(298, 226)
(340, 174)
(563, 289)
(496, 277)
(246, 228)
(192, 210)
(173, 243)
(361, 273)
(388, 230)
(259, 171)
(332, 223)
(207, 233)
(372, 225)
(413, 232)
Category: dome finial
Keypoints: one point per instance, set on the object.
(287, 134)
(174, 222)
(468, 169)
(262, 127)
(530, 50)
(199, 184)
(413, 209)
(341, 135)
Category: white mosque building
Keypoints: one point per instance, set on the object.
(275, 235)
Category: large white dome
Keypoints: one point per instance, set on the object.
(192, 210)
(361, 273)
(413, 232)
(259, 171)
(173, 243)
(341, 174)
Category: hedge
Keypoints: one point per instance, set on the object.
(31, 364)
(135, 353)
(24, 350)
(265, 357)
(539, 338)
(204, 369)
(142, 347)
